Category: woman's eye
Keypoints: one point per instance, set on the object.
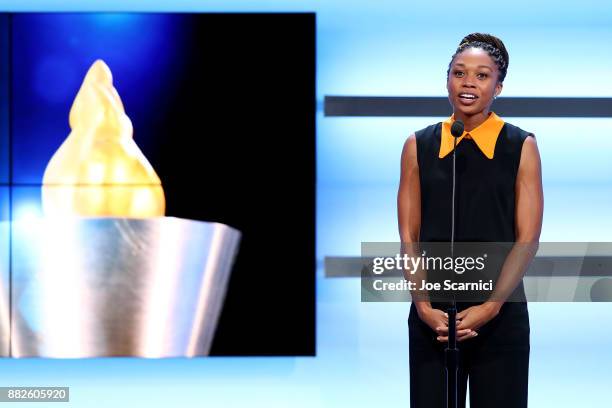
(481, 75)
(458, 74)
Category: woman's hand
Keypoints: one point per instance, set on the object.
(475, 317)
(437, 320)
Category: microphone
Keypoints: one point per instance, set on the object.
(452, 352)
(457, 128)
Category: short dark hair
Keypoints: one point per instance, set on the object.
(489, 43)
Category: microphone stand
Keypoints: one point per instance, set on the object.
(451, 353)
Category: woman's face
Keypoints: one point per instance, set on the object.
(472, 82)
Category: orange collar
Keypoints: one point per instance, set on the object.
(485, 135)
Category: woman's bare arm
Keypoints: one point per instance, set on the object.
(409, 212)
(409, 194)
(409, 220)
(529, 210)
(409, 217)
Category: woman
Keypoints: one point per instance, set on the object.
(499, 198)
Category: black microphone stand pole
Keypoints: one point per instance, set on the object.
(451, 353)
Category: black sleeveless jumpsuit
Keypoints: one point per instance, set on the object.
(497, 360)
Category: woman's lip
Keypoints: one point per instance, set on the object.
(467, 101)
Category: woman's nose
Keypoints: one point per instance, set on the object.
(467, 82)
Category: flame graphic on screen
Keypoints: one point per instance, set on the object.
(99, 171)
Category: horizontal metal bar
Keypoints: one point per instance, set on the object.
(439, 106)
